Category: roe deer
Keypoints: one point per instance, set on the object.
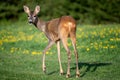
(55, 30)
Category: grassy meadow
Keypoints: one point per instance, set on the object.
(21, 47)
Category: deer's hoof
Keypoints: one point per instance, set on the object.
(68, 76)
(44, 69)
(61, 73)
(77, 75)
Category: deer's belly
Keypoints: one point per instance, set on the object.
(53, 36)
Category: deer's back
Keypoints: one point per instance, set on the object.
(60, 25)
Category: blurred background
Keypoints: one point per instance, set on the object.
(84, 11)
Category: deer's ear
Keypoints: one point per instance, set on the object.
(26, 9)
(37, 9)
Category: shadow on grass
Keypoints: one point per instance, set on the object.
(53, 72)
(90, 66)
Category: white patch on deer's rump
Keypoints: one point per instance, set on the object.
(69, 23)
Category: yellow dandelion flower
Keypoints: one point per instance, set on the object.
(78, 47)
(112, 46)
(47, 52)
(105, 47)
(117, 39)
(2, 48)
(51, 53)
(30, 37)
(91, 43)
(34, 53)
(80, 29)
(87, 49)
(96, 48)
(12, 50)
(39, 52)
(6, 40)
(116, 34)
(106, 42)
(101, 43)
(102, 36)
(79, 36)
(111, 39)
(69, 44)
(1, 42)
(25, 51)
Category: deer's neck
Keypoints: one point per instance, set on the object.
(41, 25)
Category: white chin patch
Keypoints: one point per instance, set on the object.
(30, 23)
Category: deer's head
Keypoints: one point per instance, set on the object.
(32, 15)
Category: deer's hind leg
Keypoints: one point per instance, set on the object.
(73, 39)
(64, 37)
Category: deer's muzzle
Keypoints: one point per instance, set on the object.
(30, 21)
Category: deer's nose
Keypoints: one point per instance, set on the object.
(30, 20)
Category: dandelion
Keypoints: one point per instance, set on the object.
(25, 51)
(80, 29)
(87, 49)
(2, 48)
(34, 52)
(47, 52)
(91, 43)
(40, 52)
(1, 42)
(30, 37)
(69, 44)
(111, 39)
(105, 47)
(9, 39)
(79, 36)
(106, 42)
(116, 34)
(78, 47)
(51, 53)
(12, 50)
(94, 33)
(112, 46)
(96, 48)
(102, 36)
(117, 39)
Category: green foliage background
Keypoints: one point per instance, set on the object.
(84, 11)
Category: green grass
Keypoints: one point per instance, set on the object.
(21, 47)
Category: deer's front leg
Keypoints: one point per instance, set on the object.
(58, 48)
(44, 52)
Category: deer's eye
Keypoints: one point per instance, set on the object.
(34, 16)
(28, 16)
